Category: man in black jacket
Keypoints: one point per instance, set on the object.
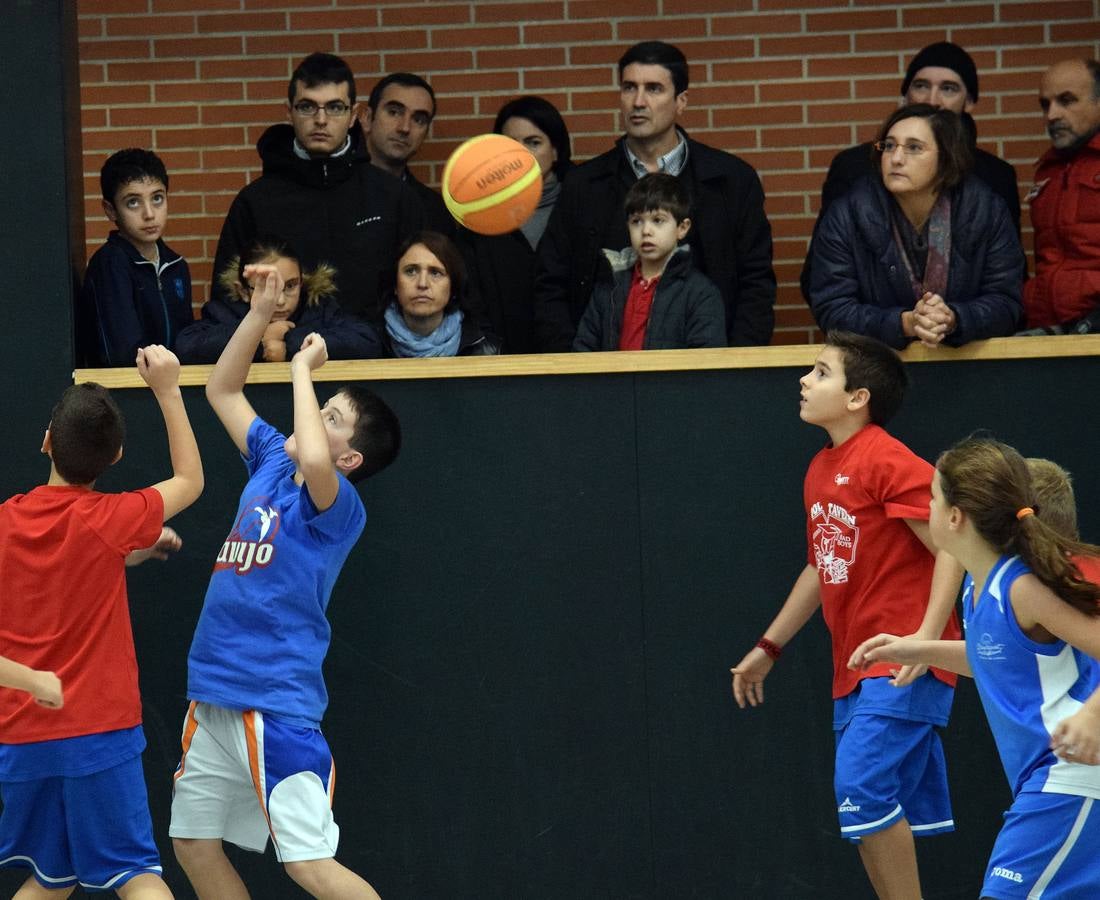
(731, 239)
(319, 191)
(942, 75)
(396, 119)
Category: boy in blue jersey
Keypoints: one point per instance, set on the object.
(254, 760)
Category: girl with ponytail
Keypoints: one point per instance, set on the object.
(1032, 636)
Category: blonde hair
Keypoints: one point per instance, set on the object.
(1052, 488)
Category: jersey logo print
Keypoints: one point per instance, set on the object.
(988, 649)
(251, 544)
(834, 539)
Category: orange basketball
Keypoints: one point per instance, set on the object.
(492, 184)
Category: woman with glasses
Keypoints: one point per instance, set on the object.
(426, 314)
(306, 305)
(922, 250)
(502, 267)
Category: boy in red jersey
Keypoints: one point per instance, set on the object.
(63, 548)
(871, 562)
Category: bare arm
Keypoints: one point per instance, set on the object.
(45, 687)
(315, 460)
(801, 603)
(225, 389)
(911, 651)
(160, 369)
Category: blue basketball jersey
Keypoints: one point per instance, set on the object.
(1026, 687)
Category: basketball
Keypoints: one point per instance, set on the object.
(492, 184)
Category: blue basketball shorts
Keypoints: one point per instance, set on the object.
(888, 769)
(92, 830)
(1048, 847)
(244, 776)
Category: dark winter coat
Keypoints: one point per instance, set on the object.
(859, 280)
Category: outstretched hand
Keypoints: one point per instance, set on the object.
(267, 285)
(158, 367)
(748, 677)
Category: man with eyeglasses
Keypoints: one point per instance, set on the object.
(942, 75)
(1064, 295)
(319, 191)
(398, 114)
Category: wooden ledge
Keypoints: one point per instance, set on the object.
(609, 363)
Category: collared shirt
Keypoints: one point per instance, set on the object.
(672, 163)
(639, 302)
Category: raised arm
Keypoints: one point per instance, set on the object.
(45, 687)
(225, 389)
(801, 603)
(315, 460)
(160, 369)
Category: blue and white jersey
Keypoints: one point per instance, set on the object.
(1026, 687)
(263, 633)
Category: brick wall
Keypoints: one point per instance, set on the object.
(782, 84)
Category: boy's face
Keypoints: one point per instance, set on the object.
(140, 212)
(824, 399)
(320, 132)
(654, 234)
(339, 418)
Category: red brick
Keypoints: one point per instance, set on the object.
(90, 50)
(1026, 151)
(604, 99)
(850, 21)
(851, 65)
(243, 23)
(774, 159)
(171, 6)
(245, 68)
(567, 33)
(958, 14)
(503, 36)
(233, 158)
(1075, 31)
(198, 137)
(152, 71)
(148, 26)
(283, 4)
(296, 45)
(782, 338)
(791, 114)
(906, 42)
(604, 9)
(788, 226)
(518, 58)
(806, 45)
(203, 182)
(478, 82)
(236, 113)
(199, 91)
(1018, 104)
(677, 7)
(844, 112)
(720, 95)
(1002, 36)
(755, 25)
(429, 61)
(376, 39)
(778, 204)
(574, 76)
(810, 91)
(1027, 126)
(459, 129)
(518, 12)
(671, 29)
(93, 118)
(758, 70)
(130, 117)
(736, 140)
(111, 94)
(111, 7)
(332, 20)
(189, 48)
(888, 88)
(426, 14)
(366, 66)
(1047, 11)
(91, 73)
(179, 161)
(115, 139)
(591, 123)
(273, 90)
(1023, 82)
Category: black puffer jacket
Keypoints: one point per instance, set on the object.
(859, 281)
(687, 308)
(340, 210)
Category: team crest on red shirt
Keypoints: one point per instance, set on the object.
(834, 537)
(251, 543)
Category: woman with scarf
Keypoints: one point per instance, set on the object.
(922, 250)
(502, 267)
(427, 315)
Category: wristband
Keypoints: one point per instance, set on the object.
(770, 647)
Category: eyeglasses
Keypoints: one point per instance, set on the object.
(307, 109)
(910, 148)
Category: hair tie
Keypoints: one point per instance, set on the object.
(1024, 512)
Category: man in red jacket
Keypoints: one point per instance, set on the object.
(1064, 295)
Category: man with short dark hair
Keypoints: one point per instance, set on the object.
(1064, 295)
(319, 191)
(943, 75)
(730, 241)
(396, 120)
